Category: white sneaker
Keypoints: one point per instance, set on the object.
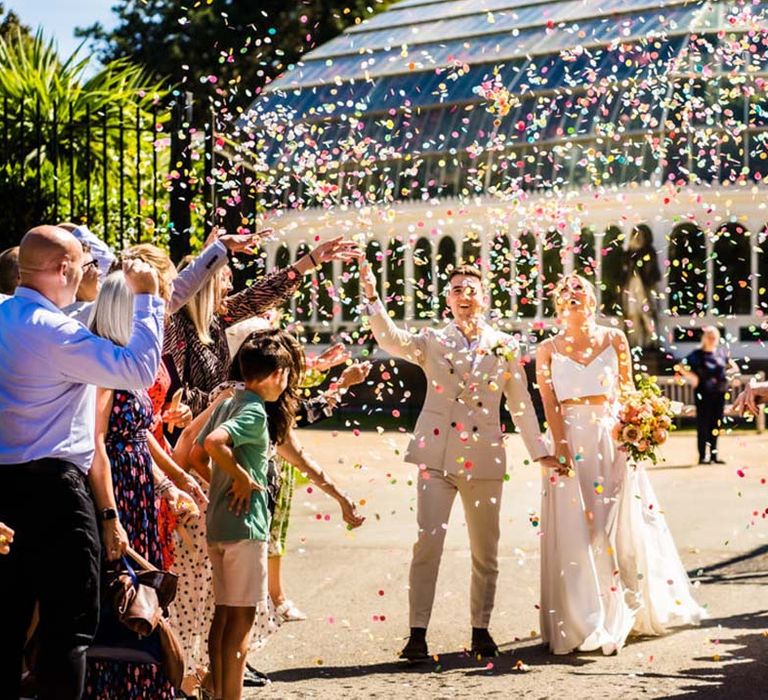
(288, 612)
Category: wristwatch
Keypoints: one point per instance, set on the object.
(108, 514)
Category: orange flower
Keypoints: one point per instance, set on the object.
(630, 434)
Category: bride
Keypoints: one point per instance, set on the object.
(608, 562)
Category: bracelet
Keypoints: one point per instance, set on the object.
(314, 262)
(165, 485)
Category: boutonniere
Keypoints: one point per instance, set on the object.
(503, 351)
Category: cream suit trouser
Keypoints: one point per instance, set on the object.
(481, 499)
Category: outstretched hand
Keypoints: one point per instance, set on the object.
(336, 249)
(351, 517)
(748, 400)
(237, 242)
(354, 374)
(367, 278)
(335, 355)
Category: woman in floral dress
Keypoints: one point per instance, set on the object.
(123, 421)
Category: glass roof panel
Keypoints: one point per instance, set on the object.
(494, 47)
(446, 29)
(600, 76)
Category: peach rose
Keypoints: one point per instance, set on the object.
(660, 436)
(642, 445)
(664, 422)
(630, 433)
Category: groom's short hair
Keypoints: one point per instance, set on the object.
(465, 271)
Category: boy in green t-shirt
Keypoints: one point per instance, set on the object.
(237, 439)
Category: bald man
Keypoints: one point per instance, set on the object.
(47, 401)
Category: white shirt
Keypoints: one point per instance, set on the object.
(51, 367)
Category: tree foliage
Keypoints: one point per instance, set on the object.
(10, 24)
(225, 49)
(52, 114)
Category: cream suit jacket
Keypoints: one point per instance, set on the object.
(459, 428)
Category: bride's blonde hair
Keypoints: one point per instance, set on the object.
(561, 288)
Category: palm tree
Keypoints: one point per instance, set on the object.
(64, 144)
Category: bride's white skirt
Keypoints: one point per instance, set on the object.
(609, 565)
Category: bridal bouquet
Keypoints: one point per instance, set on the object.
(645, 420)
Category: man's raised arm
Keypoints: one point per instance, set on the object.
(396, 341)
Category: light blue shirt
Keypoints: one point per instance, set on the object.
(51, 365)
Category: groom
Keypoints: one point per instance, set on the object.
(458, 442)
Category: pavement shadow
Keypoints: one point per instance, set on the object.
(750, 567)
(514, 660)
(739, 672)
(519, 658)
(668, 467)
(736, 672)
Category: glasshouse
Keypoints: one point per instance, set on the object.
(625, 139)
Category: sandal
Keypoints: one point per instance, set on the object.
(288, 612)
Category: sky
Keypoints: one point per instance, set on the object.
(60, 17)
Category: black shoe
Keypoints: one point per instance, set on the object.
(416, 648)
(253, 678)
(717, 460)
(482, 643)
(704, 461)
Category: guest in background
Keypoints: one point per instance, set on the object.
(9, 272)
(195, 341)
(293, 457)
(47, 401)
(102, 253)
(88, 289)
(708, 368)
(640, 275)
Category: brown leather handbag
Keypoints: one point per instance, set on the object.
(140, 597)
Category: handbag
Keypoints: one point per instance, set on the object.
(139, 598)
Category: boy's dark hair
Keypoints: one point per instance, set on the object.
(465, 271)
(281, 414)
(261, 353)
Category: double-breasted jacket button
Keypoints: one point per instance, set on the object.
(453, 424)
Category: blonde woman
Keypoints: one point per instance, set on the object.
(609, 565)
(123, 448)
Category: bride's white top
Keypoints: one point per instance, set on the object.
(574, 380)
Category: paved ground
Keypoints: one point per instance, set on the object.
(353, 586)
